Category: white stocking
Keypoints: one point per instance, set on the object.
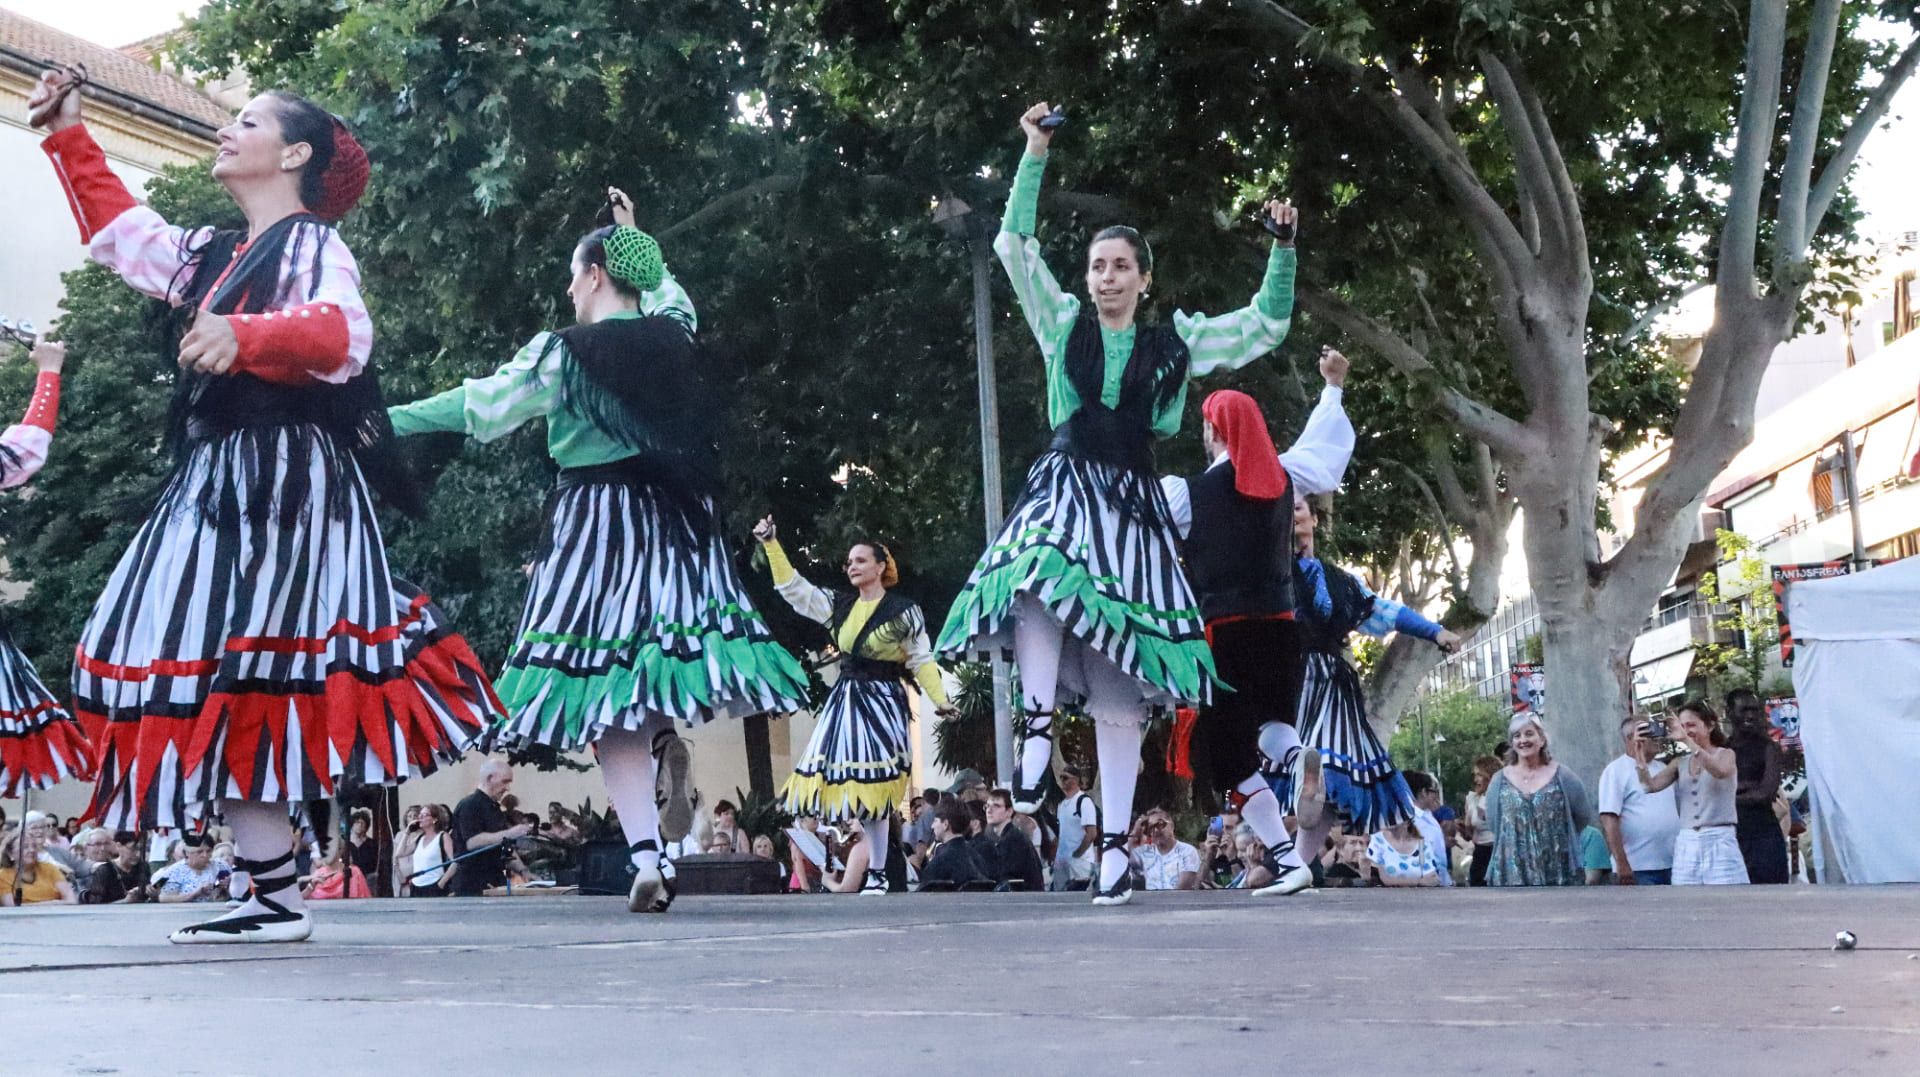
(1037, 639)
(261, 832)
(627, 766)
(879, 841)
(1119, 714)
(1262, 812)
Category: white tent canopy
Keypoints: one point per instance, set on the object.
(1856, 669)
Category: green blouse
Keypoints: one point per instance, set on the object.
(1221, 342)
(528, 388)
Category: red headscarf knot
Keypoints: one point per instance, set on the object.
(345, 179)
(1237, 421)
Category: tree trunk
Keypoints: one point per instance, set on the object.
(1586, 692)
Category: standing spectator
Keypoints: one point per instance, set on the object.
(1762, 844)
(122, 880)
(480, 823)
(404, 844)
(1639, 826)
(195, 878)
(1079, 848)
(430, 862)
(952, 865)
(1014, 859)
(1403, 856)
(1484, 768)
(1166, 862)
(1426, 797)
(23, 862)
(1596, 860)
(362, 849)
(1536, 809)
(726, 828)
(1706, 851)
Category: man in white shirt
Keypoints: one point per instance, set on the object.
(1167, 862)
(1639, 826)
(1073, 864)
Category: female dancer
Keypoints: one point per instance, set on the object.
(856, 764)
(40, 743)
(1345, 765)
(1084, 576)
(634, 616)
(251, 646)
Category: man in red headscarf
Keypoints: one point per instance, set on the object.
(1237, 519)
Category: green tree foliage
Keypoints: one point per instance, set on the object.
(1445, 734)
(1749, 618)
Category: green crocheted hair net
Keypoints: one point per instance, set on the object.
(634, 257)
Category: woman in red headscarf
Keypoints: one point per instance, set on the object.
(251, 647)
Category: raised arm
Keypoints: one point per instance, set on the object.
(1048, 309)
(1230, 341)
(807, 600)
(669, 295)
(1320, 454)
(121, 234)
(23, 446)
(492, 407)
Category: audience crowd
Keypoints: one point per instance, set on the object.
(1686, 801)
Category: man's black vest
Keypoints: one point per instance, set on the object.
(1239, 551)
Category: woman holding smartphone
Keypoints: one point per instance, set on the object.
(1706, 852)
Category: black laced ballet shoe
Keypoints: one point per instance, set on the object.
(675, 770)
(1285, 880)
(1028, 798)
(276, 924)
(1121, 891)
(876, 882)
(649, 884)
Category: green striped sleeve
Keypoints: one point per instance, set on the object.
(492, 407)
(1231, 341)
(669, 296)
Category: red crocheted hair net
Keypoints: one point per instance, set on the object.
(346, 177)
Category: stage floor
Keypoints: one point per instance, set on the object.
(1736, 980)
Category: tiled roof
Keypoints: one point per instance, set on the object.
(23, 39)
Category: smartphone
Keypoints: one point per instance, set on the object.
(1216, 826)
(1654, 729)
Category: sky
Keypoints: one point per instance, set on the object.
(1884, 182)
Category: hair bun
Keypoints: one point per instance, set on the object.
(634, 258)
(346, 177)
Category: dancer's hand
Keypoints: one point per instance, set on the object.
(764, 530)
(1333, 367)
(1282, 212)
(622, 206)
(1038, 137)
(210, 346)
(1448, 641)
(49, 355)
(947, 712)
(53, 82)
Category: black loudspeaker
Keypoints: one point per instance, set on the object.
(729, 873)
(605, 868)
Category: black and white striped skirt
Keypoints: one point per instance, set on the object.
(857, 762)
(40, 743)
(628, 614)
(1112, 579)
(1361, 782)
(252, 644)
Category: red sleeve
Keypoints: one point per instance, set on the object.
(292, 346)
(46, 401)
(94, 193)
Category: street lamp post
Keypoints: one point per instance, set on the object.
(960, 222)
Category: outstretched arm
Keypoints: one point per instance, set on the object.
(1231, 341)
(492, 407)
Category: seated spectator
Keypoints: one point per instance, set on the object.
(23, 860)
(337, 873)
(763, 847)
(561, 826)
(854, 853)
(95, 848)
(1426, 801)
(952, 864)
(362, 849)
(1403, 857)
(194, 878)
(1252, 873)
(1346, 865)
(1166, 862)
(122, 880)
(1220, 853)
(1012, 861)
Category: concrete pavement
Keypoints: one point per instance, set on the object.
(1727, 980)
